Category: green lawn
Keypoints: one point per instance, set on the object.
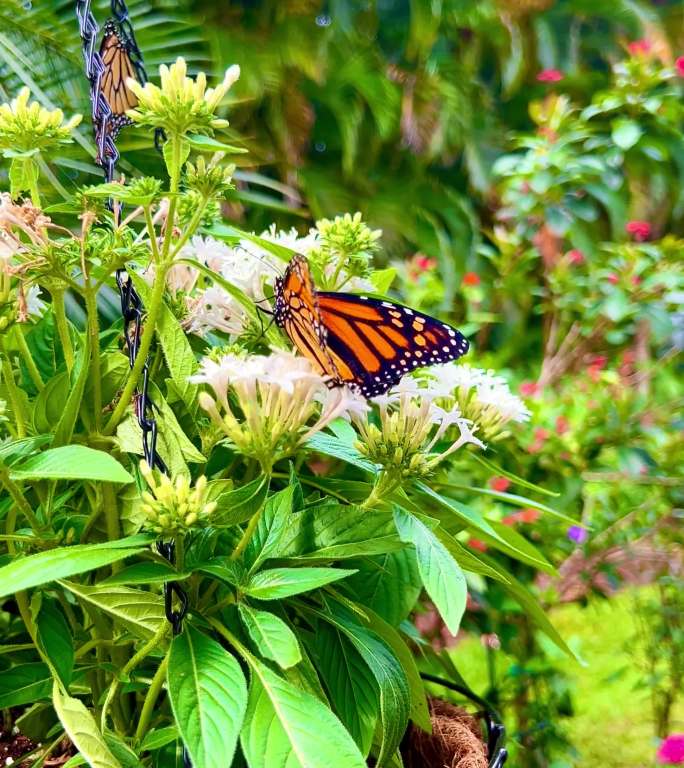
(612, 726)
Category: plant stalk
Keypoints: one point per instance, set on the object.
(27, 357)
(59, 310)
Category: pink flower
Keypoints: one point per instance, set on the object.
(640, 230)
(562, 425)
(529, 515)
(529, 388)
(550, 76)
(636, 279)
(679, 66)
(471, 278)
(478, 545)
(424, 263)
(500, 484)
(671, 750)
(575, 257)
(510, 519)
(639, 47)
(613, 279)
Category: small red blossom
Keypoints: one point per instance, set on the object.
(491, 641)
(529, 388)
(471, 278)
(562, 425)
(671, 750)
(424, 263)
(478, 545)
(613, 279)
(510, 519)
(679, 66)
(639, 230)
(500, 484)
(529, 515)
(550, 76)
(599, 361)
(575, 257)
(636, 279)
(541, 435)
(639, 47)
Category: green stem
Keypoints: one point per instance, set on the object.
(174, 173)
(20, 500)
(191, 228)
(95, 371)
(248, 533)
(20, 597)
(27, 357)
(136, 659)
(12, 391)
(59, 310)
(151, 699)
(153, 311)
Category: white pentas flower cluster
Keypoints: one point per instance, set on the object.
(268, 405)
(481, 396)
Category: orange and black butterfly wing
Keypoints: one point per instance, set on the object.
(118, 67)
(373, 343)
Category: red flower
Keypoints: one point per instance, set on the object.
(640, 230)
(541, 435)
(510, 519)
(575, 257)
(679, 66)
(671, 751)
(599, 361)
(613, 279)
(529, 388)
(480, 546)
(562, 425)
(636, 279)
(500, 484)
(424, 263)
(639, 47)
(471, 278)
(529, 515)
(550, 76)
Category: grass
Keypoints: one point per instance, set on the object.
(612, 722)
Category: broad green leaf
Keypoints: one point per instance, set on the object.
(53, 564)
(14, 450)
(394, 694)
(334, 531)
(238, 505)
(54, 637)
(25, 684)
(272, 524)
(121, 751)
(80, 726)
(390, 584)
(470, 517)
(441, 575)
(115, 191)
(48, 406)
(466, 558)
(271, 635)
(286, 726)
(626, 133)
(277, 583)
(517, 546)
(208, 144)
(231, 233)
(140, 612)
(222, 568)
(350, 683)
(72, 462)
(149, 572)
(339, 449)
(65, 427)
(158, 738)
(208, 695)
(382, 279)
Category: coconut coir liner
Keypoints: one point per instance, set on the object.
(455, 741)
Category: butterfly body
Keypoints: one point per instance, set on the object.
(359, 340)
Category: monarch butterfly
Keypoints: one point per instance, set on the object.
(115, 52)
(358, 340)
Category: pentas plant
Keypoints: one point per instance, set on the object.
(306, 521)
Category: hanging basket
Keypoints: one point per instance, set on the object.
(456, 740)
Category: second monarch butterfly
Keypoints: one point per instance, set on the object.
(358, 340)
(116, 52)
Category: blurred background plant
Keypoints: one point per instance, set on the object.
(525, 161)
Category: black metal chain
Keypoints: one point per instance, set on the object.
(132, 309)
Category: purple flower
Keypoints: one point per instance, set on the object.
(577, 533)
(671, 751)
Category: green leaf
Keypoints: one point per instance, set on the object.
(208, 695)
(53, 564)
(500, 471)
(277, 583)
(159, 737)
(286, 726)
(470, 517)
(12, 451)
(350, 683)
(25, 684)
(273, 522)
(82, 730)
(271, 635)
(240, 504)
(115, 191)
(394, 694)
(390, 584)
(339, 449)
(626, 133)
(48, 406)
(382, 279)
(441, 575)
(140, 612)
(233, 234)
(149, 572)
(54, 638)
(65, 427)
(334, 531)
(466, 558)
(72, 462)
(207, 144)
(517, 546)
